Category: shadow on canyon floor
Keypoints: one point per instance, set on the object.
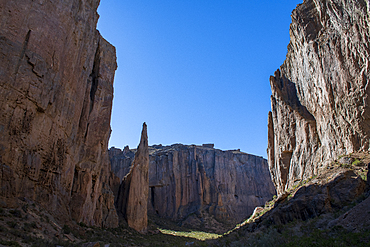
(330, 209)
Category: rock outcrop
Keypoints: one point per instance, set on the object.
(132, 198)
(314, 200)
(320, 95)
(196, 180)
(56, 90)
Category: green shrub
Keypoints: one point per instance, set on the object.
(16, 213)
(28, 226)
(82, 224)
(10, 243)
(12, 224)
(2, 229)
(357, 162)
(364, 176)
(47, 219)
(66, 229)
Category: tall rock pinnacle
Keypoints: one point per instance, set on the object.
(132, 200)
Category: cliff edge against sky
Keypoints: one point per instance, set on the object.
(320, 95)
(56, 90)
(200, 185)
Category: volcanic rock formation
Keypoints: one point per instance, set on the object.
(132, 198)
(56, 90)
(195, 179)
(320, 96)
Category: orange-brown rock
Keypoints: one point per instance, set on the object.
(316, 199)
(121, 161)
(56, 90)
(132, 199)
(187, 180)
(320, 95)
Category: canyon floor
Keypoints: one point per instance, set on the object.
(341, 217)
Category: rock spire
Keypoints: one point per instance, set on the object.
(132, 200)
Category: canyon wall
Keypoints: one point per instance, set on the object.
(195, 179)
(320, 95)
(56, 90)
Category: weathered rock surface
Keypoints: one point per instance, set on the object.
(320, 96)
(313, 200)
(200, 179)
(121, 161)
(356, 219)
(326, 208)
(132, 198)
(56, 90)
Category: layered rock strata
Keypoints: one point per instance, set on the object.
(56, 90)
(195, 179)
(320, 103)
(132, 198)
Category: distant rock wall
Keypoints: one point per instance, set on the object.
(320, 96)
(192, 179)
(121, 161)
(56, 90)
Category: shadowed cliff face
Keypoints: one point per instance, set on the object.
(193, 179)
(319, 102)
(132, 197)
(56, 90)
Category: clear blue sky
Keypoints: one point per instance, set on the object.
(196, 71)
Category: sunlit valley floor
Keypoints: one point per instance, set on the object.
(304, 216)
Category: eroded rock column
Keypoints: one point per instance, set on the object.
(132, 200)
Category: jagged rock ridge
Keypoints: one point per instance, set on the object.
(320, 103)
(194, 179)
(56, 90)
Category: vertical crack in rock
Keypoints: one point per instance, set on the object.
(271, 147)
(94, 77)
(152, 194)
(21, 55)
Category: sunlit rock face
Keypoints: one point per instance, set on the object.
(132, 197)
(320, 94)
(192, 179)
(56, 79)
